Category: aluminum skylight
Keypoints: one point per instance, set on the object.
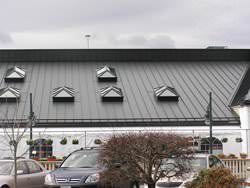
(106, 74)
(111, 93)
(15, 74)
(9, 94)
(166, 93)
(63, 94)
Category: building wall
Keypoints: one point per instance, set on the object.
(244, 113)
(86, 137)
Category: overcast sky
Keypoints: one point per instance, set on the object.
(124, 23)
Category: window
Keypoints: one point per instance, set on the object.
(41, 149)
(63, 94)
(216, 145)
(23, 167)
(106, 74)
(15, 74)
(111, 93)
(9, 94)
(33, 167)
(166, 93)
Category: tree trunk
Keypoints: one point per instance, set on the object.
(15, 166)
(151, 185)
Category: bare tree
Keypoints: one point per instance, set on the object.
(14, 132)
(145, 157)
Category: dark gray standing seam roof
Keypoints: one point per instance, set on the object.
(242, 93)
(192, 72)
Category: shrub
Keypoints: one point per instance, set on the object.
(98, 141)
(63, 141)
(75, 141)
(224, 140)
(222, 156)
(49, 141)
(219, 177)
(238, 140)
(30, 142)
(243, 155)
(232, 156)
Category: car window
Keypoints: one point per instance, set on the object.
(33, 167)
(22, 166)
(81, 159)
(214, 161)
(5, 167)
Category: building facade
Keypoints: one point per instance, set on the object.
(88, 94)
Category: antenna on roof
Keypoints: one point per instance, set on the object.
(87, 39)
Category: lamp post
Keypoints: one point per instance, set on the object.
(87, 39)
(31, 121)
(209, 121)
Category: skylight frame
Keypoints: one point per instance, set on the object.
(70, 92)
(100, 72)
(109, 98)
(13, 91)
(21, 74)
(159, 93)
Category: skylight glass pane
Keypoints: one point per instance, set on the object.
(63, 94)
(166, 93)
(106, 74)
(111, 93)
(15, 74)
(9, 94)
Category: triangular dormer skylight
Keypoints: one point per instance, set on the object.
(63, 94)
(111, 93)
(15, 74)
(9, 94)
(166, 93)
(106, 74)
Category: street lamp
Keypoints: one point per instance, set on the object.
(31, 123)
(87, 39)
(209, 121)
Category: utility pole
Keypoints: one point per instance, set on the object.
(87, 39)
(31, 121)
(209, 121)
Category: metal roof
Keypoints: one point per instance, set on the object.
(242, 92)
(193, 73)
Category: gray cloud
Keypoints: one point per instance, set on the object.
(5, 38)
(157, 23)
(143, 41)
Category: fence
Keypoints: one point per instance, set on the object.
(50, 165)
(239, 167)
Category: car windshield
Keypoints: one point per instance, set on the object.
(5, 167)
(81, 159)
(199, 163)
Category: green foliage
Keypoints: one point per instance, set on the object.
(30, 142)
(218, 177)
(63, 141)
(75, 141)
(49, 141)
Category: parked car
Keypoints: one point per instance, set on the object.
(201, 161)
(79, 170)
(30, 174)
